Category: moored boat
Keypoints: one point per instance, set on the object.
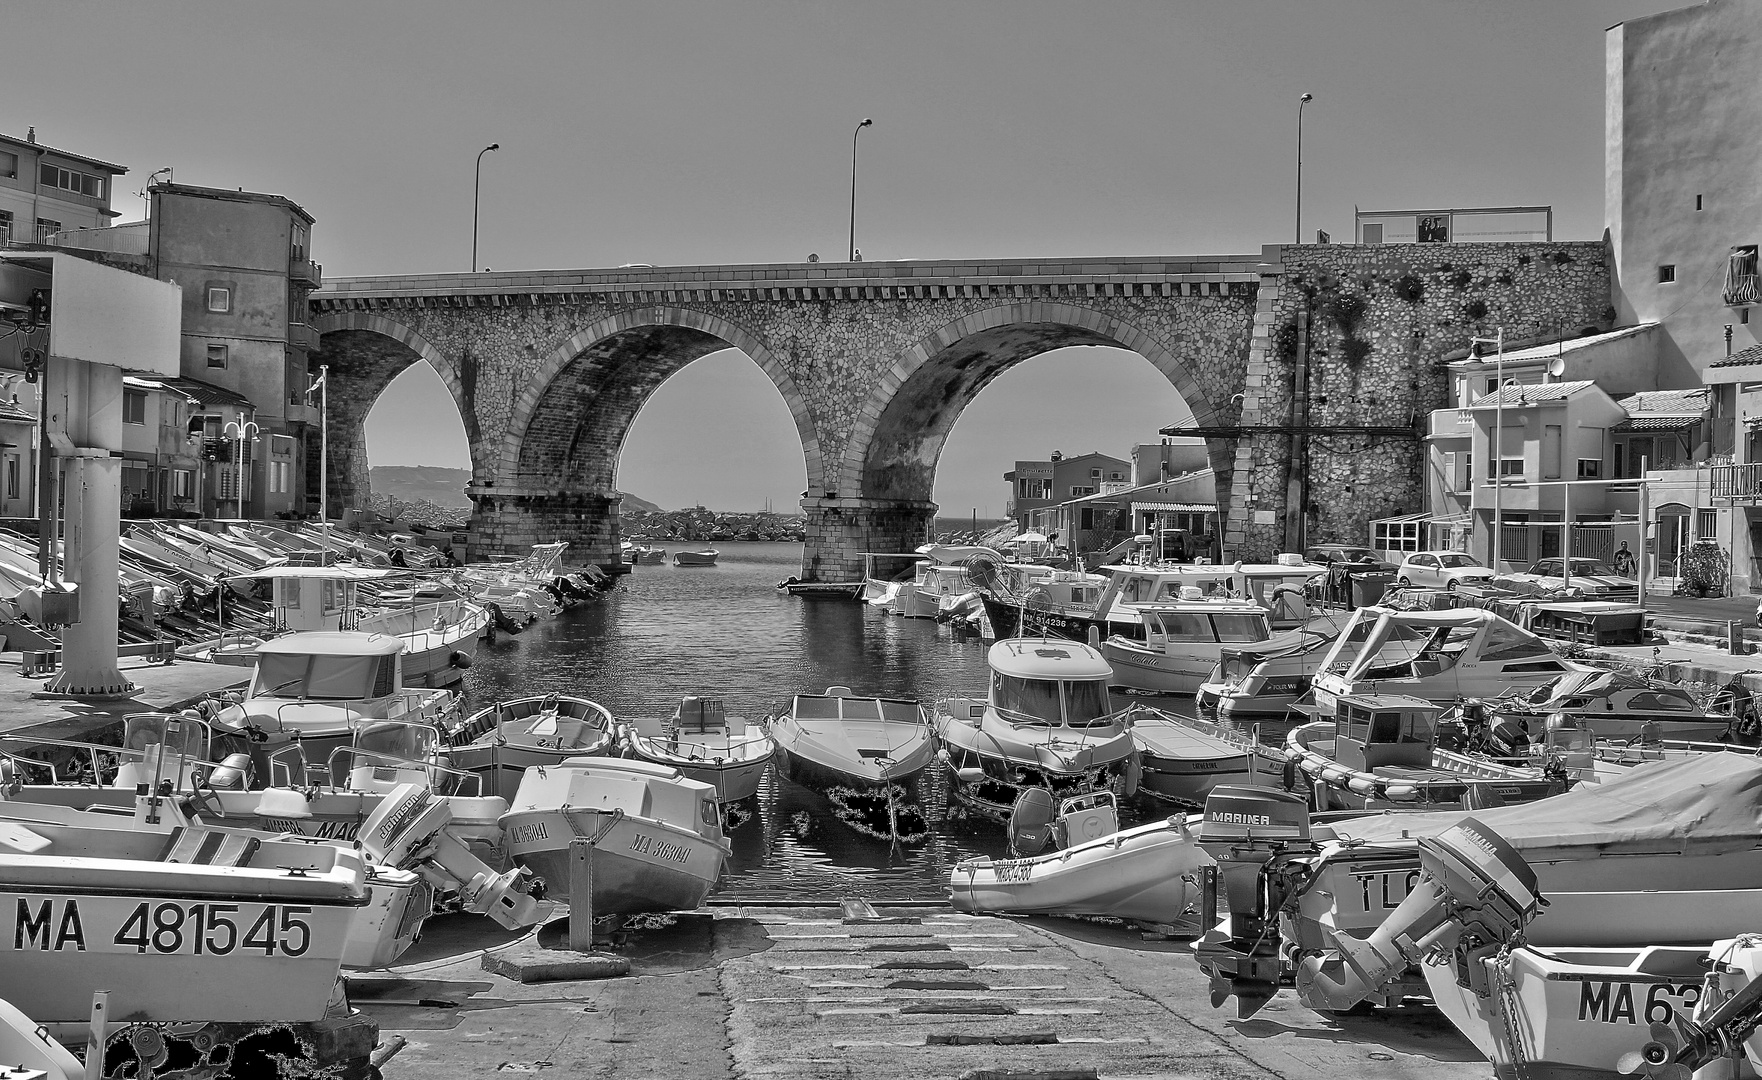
(704, 743)
(867, 754)
(1182, 641)
(1182, 759)
(656, 836)
(1047, 724)
(1617, 705)
(648, 555)
(701, 557)
(501, 742)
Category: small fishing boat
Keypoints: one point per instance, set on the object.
(656, 836)
(647, 555)
(1182, 641)
(1181, 759)
(1258, 683)
(501, 742)
(705, 744)
(1381, 750)
(1617, 705)
(1147, 874)
(702, 557)
(1047, 723)
(867, 754)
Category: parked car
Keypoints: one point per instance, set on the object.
(1442, 570)
(1592, 577)
(1361, 558)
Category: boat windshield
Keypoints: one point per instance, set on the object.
(1028, 701)
(323, 678)
(1240, 627)
(1086, 703)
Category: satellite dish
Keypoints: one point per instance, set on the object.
(1030, 821)
(1556, 367)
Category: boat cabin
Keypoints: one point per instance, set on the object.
(317, 597)
(1202, 622)
(328, 666)
(1374, 730)
(1037, 682)
(1277, 587)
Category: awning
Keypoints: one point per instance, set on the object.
(1658, 423)
(1173, 507)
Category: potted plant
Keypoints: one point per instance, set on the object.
(1703, 569)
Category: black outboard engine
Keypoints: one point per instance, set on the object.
(1475, 894)
(1244, 829)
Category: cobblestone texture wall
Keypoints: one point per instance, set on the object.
(1382, 320)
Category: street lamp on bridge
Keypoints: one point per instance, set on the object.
(853, 185)
(1302, 101)
(476, 185)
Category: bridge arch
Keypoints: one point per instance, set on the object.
(365, 351)
(900, 431)
(584, 389)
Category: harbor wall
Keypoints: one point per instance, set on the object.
(1383, 319)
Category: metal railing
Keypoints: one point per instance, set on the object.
(1742, 289)
(1737, 482)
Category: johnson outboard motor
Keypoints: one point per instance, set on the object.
(407, 831)
(1245, 829)
(1475, 893)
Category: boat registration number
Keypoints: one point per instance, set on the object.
(1609, 1002)
(664, 850)
(1012, 871)
(61, 924)
(1384, 891)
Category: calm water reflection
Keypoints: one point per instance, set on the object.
(725, 631)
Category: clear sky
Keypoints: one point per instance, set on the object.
(719, 132)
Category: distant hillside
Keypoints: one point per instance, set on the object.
(444, 487)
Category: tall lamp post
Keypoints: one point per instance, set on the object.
(476, 186)
(322, 386)
(1498, 448)
(247, 430)
(1302, 101)
(853, 185)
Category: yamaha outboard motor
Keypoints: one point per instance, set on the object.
(1244, 829)
(1474, 895)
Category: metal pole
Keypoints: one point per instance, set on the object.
(1566, 533)
(853, 186)
(476, 186)
(1302, 101)
(1498, 448)
(95, 1034)
(324, 452)
(581, 895)
(1645, 513)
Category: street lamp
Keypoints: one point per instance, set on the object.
(1498, 447)
(247, 430)
(322, 386)
(1302, 101)
(476, 185)
(853, 185)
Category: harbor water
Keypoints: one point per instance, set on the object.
(726, 632)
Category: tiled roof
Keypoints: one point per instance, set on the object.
(203, 393)
(1658, 423)
(1530, 393)
(26, 143)
(1681, 402)
(1751, 355)
(14, 413)
(1567, 345)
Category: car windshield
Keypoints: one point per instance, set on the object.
(1457, 560)
(1588, 567)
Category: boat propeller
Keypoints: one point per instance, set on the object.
(1676, 1051)
(408, 831)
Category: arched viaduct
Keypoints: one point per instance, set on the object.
(876, 361)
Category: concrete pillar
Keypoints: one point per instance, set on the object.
(839, 531)
(508, 521)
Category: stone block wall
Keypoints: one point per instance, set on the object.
(1382, 319)
(839, 531)
(509, 523)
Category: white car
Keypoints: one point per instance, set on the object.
(1441, 570)
(1592, 577)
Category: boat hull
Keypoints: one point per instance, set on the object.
(695, 558)
(1137, 667)
(733, 781)
(1182, 763)
(638, 864)
(1146, 874)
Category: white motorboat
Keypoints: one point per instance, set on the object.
(700, 557)
(867, 754)
(519, 587)
(501, 742)
(1182, 759)
(1618, 705)
(704, 743)
(315, 686)
(656, 836)
(1437, 656)
(648, 555)
(1047, 723)
(1258, 683)
(1182, 642)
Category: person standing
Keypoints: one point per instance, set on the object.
(1623, 560)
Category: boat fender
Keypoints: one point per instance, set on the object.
(1288, 774)
(232, 774)
(460, 660)
(1361, 786)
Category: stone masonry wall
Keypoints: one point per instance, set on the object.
(1382, 319)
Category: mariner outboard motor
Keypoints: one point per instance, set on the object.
(1244, 829)
(1475, 893)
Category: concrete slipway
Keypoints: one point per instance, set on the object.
(754, 992)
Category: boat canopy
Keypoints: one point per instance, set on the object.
(811, 707)
(1043, 658)
(327, 665)
(1707, 804)
(332, 643)
(1381, 638)
(1234, 623)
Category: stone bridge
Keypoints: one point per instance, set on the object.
(876, 361)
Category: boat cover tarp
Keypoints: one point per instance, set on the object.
(1707, 805)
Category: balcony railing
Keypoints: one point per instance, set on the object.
(1742, 289)
(1740, 483)
(1451, 423)
(302, 336)
(306, 272)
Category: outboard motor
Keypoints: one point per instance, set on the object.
(1474, 895)
(408, 831)
(1244, 829)
(234, 773)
